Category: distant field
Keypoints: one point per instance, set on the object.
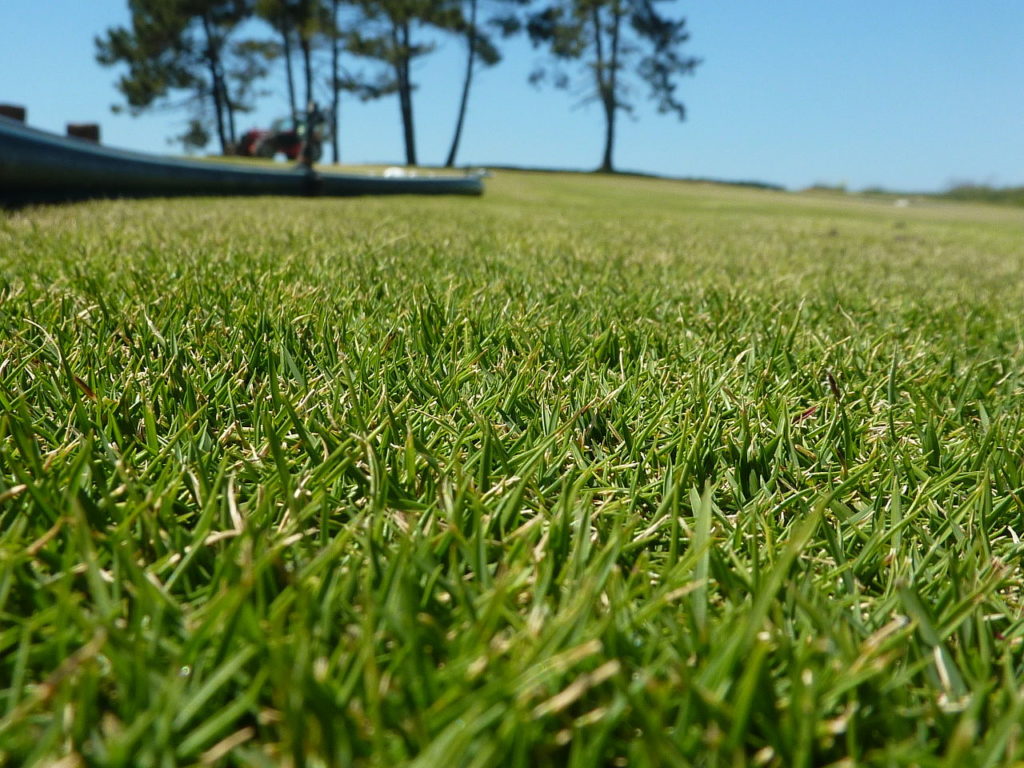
(982, 194)
(587, 472)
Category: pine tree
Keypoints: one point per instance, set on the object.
(390, 37)
(480, 48)
(182, 45)
(618, 42)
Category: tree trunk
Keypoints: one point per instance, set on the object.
(400, 36)
(286, 39)
(307, 65)
(609, 98)
(229, 110)
(607, 104)
(335, 83)
(216, 85)
(466, 83)
(607, 166)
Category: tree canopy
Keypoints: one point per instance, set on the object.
(618, 43)
(389, 36)
(481, 48)
(609, 51)
(181, 45)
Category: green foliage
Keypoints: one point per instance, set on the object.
(195, 137)
(479, 21)
(617, 42)
(247, 66)
(380, 37)
(588, 30)
(181, 45)
(480, 49)
(389, 36)
(305, 22)
(980, 193)
(160, 56)
(592, 471)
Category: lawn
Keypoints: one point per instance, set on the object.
(587, 472)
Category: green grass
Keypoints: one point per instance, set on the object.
(588, 472)
(979, 193)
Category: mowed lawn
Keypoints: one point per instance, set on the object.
(587, 472)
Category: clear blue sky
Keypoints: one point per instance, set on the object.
(907, 94)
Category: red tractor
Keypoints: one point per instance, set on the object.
(287, 137)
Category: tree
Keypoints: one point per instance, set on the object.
(194, 137)
(307, 24)
(479, 47)
(615, 39)
(181, 45)
(388, 36)
(308, 19)
(275, 13)
(297, 22)
(336, 79)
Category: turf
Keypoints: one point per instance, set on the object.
(588, 472)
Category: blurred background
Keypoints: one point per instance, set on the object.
(905, 96)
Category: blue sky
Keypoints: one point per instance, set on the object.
(906, 94)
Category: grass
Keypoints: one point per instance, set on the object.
(588, 472)
(980, 193)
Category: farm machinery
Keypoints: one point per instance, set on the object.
(287, 137)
